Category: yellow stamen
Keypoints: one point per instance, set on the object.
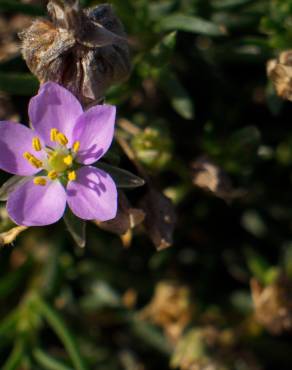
(72, 176)
(36, 144)
(53, 134)
(68, 160)
(52, 175)
(40, 181)
(33, 160)
(76, 146)
(61, 139)
(27, 156)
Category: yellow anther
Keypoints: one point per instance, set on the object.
(36, 144)
(53, 134)
(72, 176)
(27, 156)
(68, 160)
(61, 139)
(40, 181)
(33, 160)
(76, 146)
(52, 175)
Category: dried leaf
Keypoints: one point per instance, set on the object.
(160, 218)
(127, 218)
(9, 236)
(210, 177)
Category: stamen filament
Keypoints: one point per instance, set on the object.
(36, 144)
(61, 139)
(40, 181)
(72, 176)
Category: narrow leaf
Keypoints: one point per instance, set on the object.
(76, 227)
(14, 360)
(228, 4)
(59, 327)
(48, 362)
(192, 24)
(180, 99)
(23, 84)
(122, 178)
(17, 6)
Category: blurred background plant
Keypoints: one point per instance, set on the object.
(200, 121)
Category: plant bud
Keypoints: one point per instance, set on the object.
(86, 51)
(153, 148)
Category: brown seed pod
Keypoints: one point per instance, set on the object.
(84, 50)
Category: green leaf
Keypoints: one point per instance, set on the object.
(48, 362)
(192, 24)
(14, 360)
(122, 178)
(180, 100)
(8, 324)
(76, 227)
(10, 185)
(59, 327)
(228, 4)
(19, 84)
(149, 334)
(16, 6)
(162, 52)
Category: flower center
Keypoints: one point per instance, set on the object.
(59, 161)
(56, 161)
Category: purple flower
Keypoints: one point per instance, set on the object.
(56, 156)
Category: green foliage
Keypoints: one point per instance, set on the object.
(198, 88)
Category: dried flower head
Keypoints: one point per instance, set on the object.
(171, 308)
(280, 72)
(86, 51)
(273, 305)
(208, 348)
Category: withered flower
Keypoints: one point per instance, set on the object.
(280, 72)
(170, 308)
(86, 51)
(273, 305)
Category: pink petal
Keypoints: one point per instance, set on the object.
(16, 139)
(54, 107)
(93, 196)
(95, 130)
(35, 205)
